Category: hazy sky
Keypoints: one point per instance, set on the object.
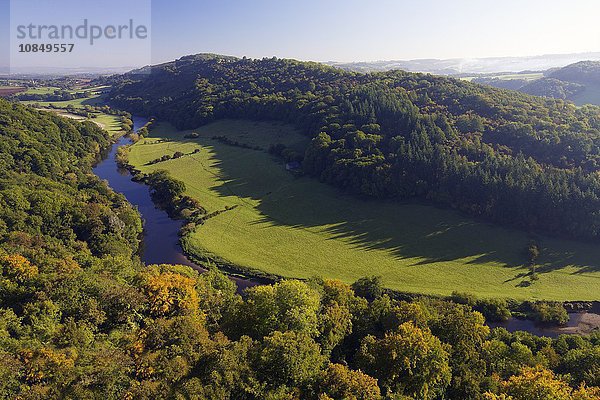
(352, 30)
(348, 30)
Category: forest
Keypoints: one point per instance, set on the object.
(82, 318)
(501, 155)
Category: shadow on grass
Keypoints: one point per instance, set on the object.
(92, 101)
(407, 231)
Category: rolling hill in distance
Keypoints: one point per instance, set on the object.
(578, 82)
(468, 66)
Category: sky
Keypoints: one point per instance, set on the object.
(320, 30)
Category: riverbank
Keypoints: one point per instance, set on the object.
(169, 232)
(160, 244)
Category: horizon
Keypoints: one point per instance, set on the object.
(80, 70)
(335, 32)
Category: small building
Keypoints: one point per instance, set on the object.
(293, 166)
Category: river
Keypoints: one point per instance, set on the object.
(160, 243)
(581, 323)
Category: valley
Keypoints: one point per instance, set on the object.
(291, 226)
(221, 201)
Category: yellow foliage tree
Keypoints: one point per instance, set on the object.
(17, 267)
(538, 383)
(170, 293)
(45, 364)
(340, 382)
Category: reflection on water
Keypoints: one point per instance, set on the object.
(161, 233)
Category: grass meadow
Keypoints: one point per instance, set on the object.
(111, 123)
(298, 227)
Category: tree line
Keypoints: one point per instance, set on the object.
(82, 318)
(508, 157)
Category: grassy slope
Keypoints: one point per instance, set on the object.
(109, 122)
(298, 227)
(93, 100)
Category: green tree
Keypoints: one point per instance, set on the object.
(409, 361)
(290, 358)
(284, 306)
(341, 383)
(370, 287)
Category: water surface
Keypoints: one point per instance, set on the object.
(160, 243)
(161, 237)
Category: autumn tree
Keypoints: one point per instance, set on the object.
(341, 383)
(409, 361)
(170, 293)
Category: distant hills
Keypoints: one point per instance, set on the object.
(578, 82)
(45, 72)
(584, 72)
(561, 76)
(460, 66)
(496, 154)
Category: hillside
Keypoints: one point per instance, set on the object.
(81, 318)
(584, 72)
(578, 82)
(552, 87)
(519, 160)
(262, 219)
(457, 66)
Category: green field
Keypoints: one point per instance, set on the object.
(297, 227)
(92, 101)
(528, 76)
(111, 123)
(42, 90)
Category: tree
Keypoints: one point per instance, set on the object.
(370, 287)
(17, 267)
(465, 331)
(163, 187)
(284, 306)
(583, 365)
(335, 323)
(290, 358)
(217, 296)
(169, 293)
(341, 383)
(536, 384)
(409, 361)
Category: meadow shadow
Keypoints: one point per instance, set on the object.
(406, 230)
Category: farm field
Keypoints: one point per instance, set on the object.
(528, 76)
(6, 91)
(91, 101)
(42, 90)
(297, 227)
(111, 123)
